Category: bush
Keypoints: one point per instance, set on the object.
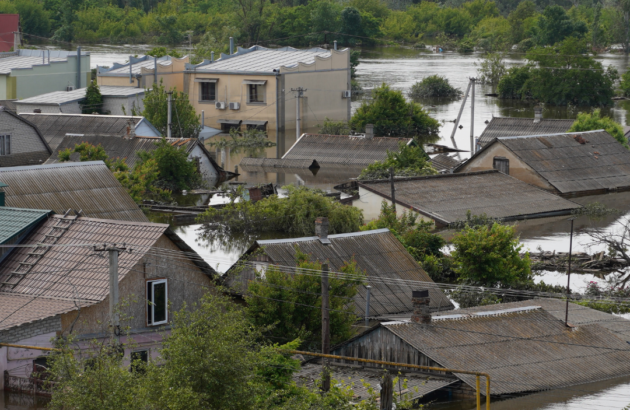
(434, 86)
(331, 127)
(465, 46)
(176, 171)
(410, 160)
(594, 121)
(624, 85)
(492, 68)
(512, 84)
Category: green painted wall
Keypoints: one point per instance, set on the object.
(48, 78)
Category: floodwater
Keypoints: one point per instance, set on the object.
(14, 401)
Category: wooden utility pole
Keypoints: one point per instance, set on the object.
(387, 392)
(391, 182)
(325, 329)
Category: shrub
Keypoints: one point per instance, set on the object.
(410, 160)
(434, 86)
(594, 121)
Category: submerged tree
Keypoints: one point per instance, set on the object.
(434, 86)
(409, 160)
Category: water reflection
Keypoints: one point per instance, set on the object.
(14, 401)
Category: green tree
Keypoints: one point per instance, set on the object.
(351, 24)
(518, 20)
(490, 256)
(624, 85)
(93, 99)
(395, 117)
(555, 25)
(512, 84)
(492, 68)
(290, 302)
(594, 121)
(176, 172)
(331, 127)
(409, 160)
(185, 122)
(434, 86)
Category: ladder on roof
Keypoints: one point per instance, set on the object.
(60, 227)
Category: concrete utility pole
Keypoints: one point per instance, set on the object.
(472, 117)
(298, 119)
(459, 116)
(325, 328)
(367, 305)
(169, 114)
(16, 40)
(566, 317)
(391, 182)
(114, 296)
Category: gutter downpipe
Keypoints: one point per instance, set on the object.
(411, 366)
(78, 67)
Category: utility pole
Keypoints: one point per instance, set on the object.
(114, 295)
(298, 119)
(387, 392)
(391, 182)
(461, 109)
(325, 329)
(566, 317)
(472, 117)
(367, 305)
(16, 40)
(169, 115)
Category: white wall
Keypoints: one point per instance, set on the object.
(208, 172)
(370, 204)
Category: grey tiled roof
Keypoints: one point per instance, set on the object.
(9, 63)
(261, 59)
(444, 162)
(512, 127)
(447, 198)
(15, 220)
(136, 67)
(18, 310)
(64, 97)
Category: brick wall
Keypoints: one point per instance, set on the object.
(17, 333)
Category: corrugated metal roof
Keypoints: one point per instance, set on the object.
(417, 385)
(343, 149)
(9, 63)
(88, 186)
(600, 163)
(447, 198)
(274, 163)
(16, 220)
(64, 97)
(136, 66)
(376, 252)
(512, 127)
(54, 127)
(522, 351)
(18, 310)
(444, 162)
(261, 59)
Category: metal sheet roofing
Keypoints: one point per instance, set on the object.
(88, 186)
(512, 127)
(18, 310)
(65, 97)
(343, 149)
(54, 127)
(418, 385)
(444, 162)
(599, 163)
(10, 63)
(522, 351)
(261, 59)
(136, 66)
(16, 220)
(447, 198)
(376, 252)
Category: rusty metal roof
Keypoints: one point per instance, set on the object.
(343, 149)
(18, 310)
(376, 252)
(523, 351)
(512, 127)
(418, 385)
(88, 186)
(447, 198)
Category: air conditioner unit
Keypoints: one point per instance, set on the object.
(346, 94)
(235, 106)
(69, 88)
(219, 105)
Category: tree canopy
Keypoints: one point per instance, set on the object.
(434, 86)
(409, 160)
(594, 121)
(185, 122)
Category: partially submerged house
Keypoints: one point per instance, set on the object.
(21, 143)
(389, 268)
(86, 187)
(448, 198)
(116, 101)
(50, 291)
(568, 164)
(500, 127)
(524, 346)
(54, 127)
(128, 147)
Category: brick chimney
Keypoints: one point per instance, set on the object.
(321, 230)
(369, 131)
(537, 115)
(421, 311)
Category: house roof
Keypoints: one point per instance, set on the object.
(16, 220)
(418, 385)
(572, 162)
(343, 149)
(444, 162)
(447, 198)
(523, 349)
(261, 59)
(24, 59)
(66, 97)
(27, 123)
(16, 310)
(391, 271)
(87, 186)
(137, 64)
(68, 273)
(512, 127)
(9, 23)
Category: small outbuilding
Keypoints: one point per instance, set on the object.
(21, 143)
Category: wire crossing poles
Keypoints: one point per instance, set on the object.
(325, 328)
(298, 118)
(114, 295)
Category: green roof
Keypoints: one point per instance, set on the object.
(16, 220)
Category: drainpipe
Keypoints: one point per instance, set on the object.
(203, 120)
(212, 56)
(78, 67)
(231, 45)
(335, 43)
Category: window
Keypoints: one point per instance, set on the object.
(256, 93)
(5, 145)
(257, 127)
(502, 165)
(207, 91)
(139, 359)
(227, 127)
(157, 302)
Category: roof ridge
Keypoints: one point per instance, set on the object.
(551, 135)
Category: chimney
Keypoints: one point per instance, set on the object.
(231, 45)
(537, 115)
(321, 230)
(421, 311)
(369, 131)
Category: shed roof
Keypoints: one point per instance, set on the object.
(261, 59)
(54, 127)
(88, 186)
(65, 97)
(343, 149)
(377, 252)
(523, 350)
(573, 162)
(512, 127)
(447, 198)
(16, 220)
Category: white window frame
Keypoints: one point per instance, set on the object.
(151, 304)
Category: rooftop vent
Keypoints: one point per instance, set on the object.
(421, 311)
(537, 115)
(321, 230)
